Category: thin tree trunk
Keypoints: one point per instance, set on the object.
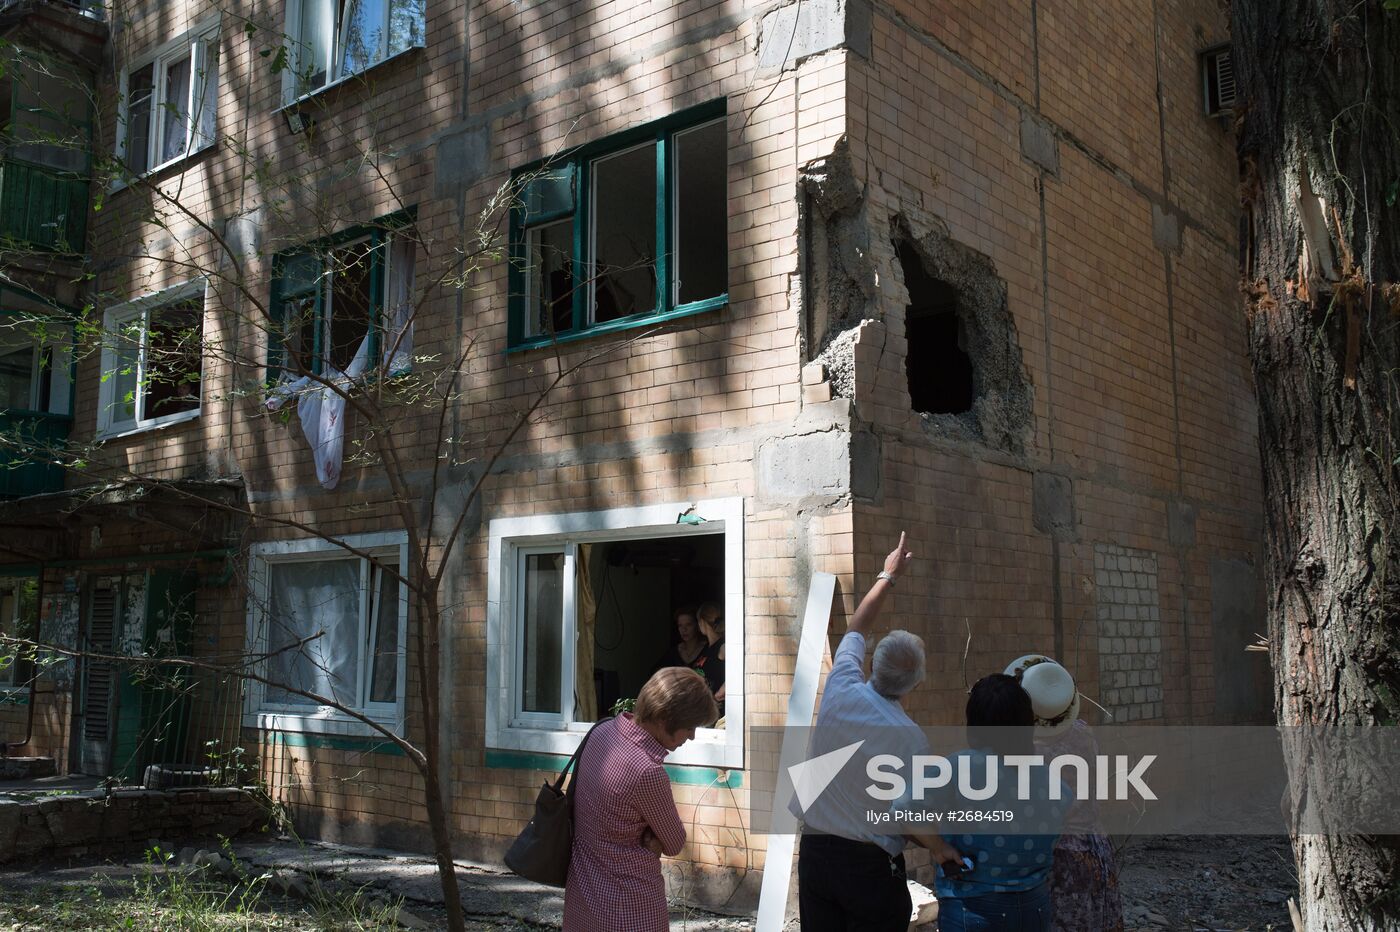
(429, 664)
(1319, 89)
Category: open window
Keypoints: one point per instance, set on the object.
(626, 230)
(345, 304)
(332, 624)
(329, 40)
(585, 616)
(152, 360)
(168, 102)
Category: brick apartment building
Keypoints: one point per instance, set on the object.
(962, 269)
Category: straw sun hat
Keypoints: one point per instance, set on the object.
(1052, 692)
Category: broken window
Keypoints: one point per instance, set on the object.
(588, 613)
(345, 305)
(331, 625)
(152, 360)
(168, 101)
(937, 363)
(629, 229)
(332, 39)
(19, 618)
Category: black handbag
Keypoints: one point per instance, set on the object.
(542, 850)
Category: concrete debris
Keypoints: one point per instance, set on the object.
(839, 357)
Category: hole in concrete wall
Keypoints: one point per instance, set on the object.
(965, 374)
(937, 364)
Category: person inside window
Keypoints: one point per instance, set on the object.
(624, 814)
(690, 643)
(710, 663)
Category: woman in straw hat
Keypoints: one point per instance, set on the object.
(1084, 881)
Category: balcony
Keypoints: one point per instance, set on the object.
(42, 208)
(24, 439)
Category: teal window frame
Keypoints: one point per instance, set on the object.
(574, 170)
(379, 234)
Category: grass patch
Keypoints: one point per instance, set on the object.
(163, 897)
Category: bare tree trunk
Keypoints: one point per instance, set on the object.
(1320, 170)
(429, 663)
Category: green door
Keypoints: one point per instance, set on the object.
(153, 701)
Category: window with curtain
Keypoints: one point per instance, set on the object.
(332, 625)
(329, 40)
(169, 100)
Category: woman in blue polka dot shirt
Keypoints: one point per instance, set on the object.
(1007, 887)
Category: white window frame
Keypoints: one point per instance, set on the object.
(511, 538)
(108, 426)
(335, 37)
(195, 45)
(260, 713)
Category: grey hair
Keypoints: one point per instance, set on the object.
(898, 665)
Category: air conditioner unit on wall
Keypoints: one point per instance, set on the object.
(1218, 81)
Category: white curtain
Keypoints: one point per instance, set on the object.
(207, 100)
(176, 110)
(398, 313)
(313, 44)
(306, 598)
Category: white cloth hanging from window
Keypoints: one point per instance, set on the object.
(320, 407)
(321, 410)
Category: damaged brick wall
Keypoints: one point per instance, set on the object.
(843, 289)
(89, 824)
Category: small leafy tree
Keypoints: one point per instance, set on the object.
(260, 355)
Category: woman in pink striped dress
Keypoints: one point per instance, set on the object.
(624, 814)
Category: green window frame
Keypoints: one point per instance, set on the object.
(586, 260)
(305, 282)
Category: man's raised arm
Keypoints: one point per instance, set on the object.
(864, 618)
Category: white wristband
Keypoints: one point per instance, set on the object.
(885, 575)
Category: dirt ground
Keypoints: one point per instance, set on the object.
(1199, 884)
(1222, 882)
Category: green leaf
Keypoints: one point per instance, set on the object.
(1392, 5)
(1392, 191)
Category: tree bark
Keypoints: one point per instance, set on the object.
(429, 659)
(1319, 90)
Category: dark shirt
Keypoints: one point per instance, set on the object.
(711, 666)
(673, 658)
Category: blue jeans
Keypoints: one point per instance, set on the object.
(1023, 911)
